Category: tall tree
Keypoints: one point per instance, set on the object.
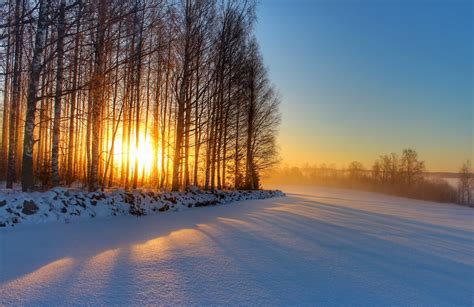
(411, 169)
(59, 91)
(97, 87)
(15, 99)
(27, 176)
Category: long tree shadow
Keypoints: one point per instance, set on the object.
(84, 239)
(384, 218)
(288, 251)
(416, 234)
(348, 249)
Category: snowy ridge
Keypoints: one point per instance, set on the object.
(64, 205)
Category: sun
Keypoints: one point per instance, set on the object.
(144, 154)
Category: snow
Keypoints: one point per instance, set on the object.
(317, 246)
(65, 205)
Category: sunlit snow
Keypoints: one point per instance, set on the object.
(315, 246)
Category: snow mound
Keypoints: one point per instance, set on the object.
(64, 205)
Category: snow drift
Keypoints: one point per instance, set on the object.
(64, 205)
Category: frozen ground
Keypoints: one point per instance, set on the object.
(317, 246)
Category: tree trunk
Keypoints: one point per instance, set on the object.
(164, 169)
(58, 94)
(72, 112)
(27, 178)
(137, 77)
(182, 103)
(250, 183)
(97, 92)
(15, 102)
(6, 102)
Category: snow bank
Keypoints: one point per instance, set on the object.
(65, 205)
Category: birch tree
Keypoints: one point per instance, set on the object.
(27, 176)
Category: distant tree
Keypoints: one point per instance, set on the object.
(377, 170)
(385, 168)
(466, 184)
(356, 170)
(393, 161)
(411, 169)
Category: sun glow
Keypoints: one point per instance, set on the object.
(145, 156)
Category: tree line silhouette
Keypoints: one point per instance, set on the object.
(398, 174)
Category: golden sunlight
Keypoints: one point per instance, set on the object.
(145, 155)
(45, 275)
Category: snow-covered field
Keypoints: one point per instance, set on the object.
(317, 246)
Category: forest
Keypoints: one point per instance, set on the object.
(161, 94)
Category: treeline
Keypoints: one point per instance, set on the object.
(157, 93)
(398, 174)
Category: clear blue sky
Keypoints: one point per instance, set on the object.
(363, 78)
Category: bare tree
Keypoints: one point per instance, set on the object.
(97, 87)
(27, 176)
(356, 170)
(57, 98)
(262, 118)
(15, 99)
(466, 184)
(411, 169)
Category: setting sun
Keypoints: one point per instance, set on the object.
(145, 155)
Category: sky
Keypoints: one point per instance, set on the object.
(363, 78)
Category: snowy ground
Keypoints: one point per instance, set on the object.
(316, 246)
(19, 209)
